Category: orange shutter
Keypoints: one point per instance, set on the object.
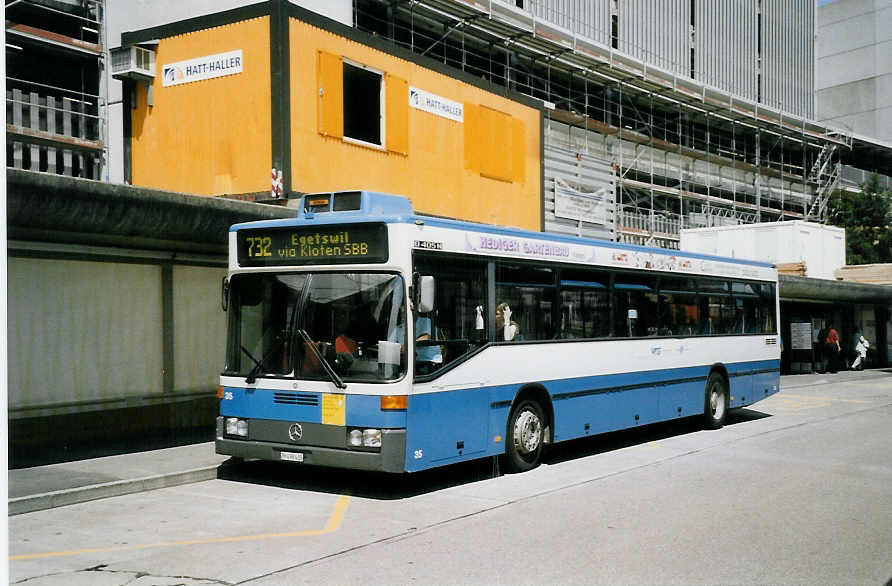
(472, 137)
(518, 150)
(330, 78)
(497, 157)
(397, 92)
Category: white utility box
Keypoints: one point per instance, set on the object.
(822, 249)
(133, 62)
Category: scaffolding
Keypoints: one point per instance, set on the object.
(684, 153)
(56, 117)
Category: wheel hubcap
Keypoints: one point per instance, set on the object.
(527, 432)
(717, 403)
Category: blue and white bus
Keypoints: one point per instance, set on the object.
(363, 335)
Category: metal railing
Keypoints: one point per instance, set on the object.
(668, 226)
(54, 129)
(658, 223)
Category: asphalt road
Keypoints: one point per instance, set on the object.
(796, 490)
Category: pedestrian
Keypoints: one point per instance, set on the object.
(861, 350)
(820, 353)
(832, 349)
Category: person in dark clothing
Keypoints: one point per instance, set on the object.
(820, 358)
(832, 349)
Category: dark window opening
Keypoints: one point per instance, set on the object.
(614, 31)
(362, 104)
(759, 53)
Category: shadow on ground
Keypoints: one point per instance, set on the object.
(52, 439)
(74, 449)
(398, 486)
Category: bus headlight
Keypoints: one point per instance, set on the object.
(371, 438)
(364, 438)
(235, 426)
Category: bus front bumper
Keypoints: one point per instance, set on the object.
(390, 458)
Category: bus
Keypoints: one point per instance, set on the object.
(364, 335)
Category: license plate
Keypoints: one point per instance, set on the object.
(292, 456)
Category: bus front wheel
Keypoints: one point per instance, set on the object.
(716, 407)
(526, 436)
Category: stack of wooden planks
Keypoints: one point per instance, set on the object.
(878, 274)
(797, 269)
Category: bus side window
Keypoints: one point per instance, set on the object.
(529, 291)
(585, 304)
(678, 306)
(767, 309)
(460, 290)
(636, 311)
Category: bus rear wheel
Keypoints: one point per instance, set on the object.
(716, 407)
(526, 436)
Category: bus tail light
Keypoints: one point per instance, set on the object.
(220, 392)
(394, 402)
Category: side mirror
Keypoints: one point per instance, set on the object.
(425, 291)
(224, 297)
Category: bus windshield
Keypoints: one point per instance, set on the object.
(319, 326)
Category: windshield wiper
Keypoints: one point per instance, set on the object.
(319, 357)
(258, 364)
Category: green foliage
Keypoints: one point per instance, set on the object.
(867, 218)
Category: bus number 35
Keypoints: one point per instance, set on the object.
(259, 245)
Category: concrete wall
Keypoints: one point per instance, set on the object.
(854, 65)
(115, 328)
(90, 334)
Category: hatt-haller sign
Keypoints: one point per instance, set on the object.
(202, 68)
(437, 105)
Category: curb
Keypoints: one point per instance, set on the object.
(61, 498)
(824, 378)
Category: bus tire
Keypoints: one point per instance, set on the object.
(716, 406)
(526, 436)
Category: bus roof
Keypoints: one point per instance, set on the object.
(368, 206)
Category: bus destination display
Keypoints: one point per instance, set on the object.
(303, 245)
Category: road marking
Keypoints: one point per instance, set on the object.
(334, 522)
